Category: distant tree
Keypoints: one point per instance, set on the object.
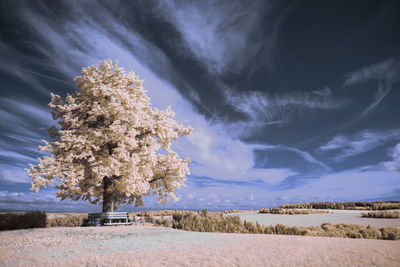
(395, 164)
(113, 147)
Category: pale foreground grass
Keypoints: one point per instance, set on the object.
(157, 246)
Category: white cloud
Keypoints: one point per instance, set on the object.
(303, 154)
(393, 165)
(388, 70)
(385, 72)
(271, 176)
(364, 141)
(224, 35)
(276, 108)
(13, 174)
(214, 151)
(383, 90)
(347, 185)
(14, 64)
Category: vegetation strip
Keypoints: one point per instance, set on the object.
(382, 214)
(378, 205)
(205, 222)
(211, 222)
(291, 211)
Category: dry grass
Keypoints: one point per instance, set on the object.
(205, 222)
(291, 211)
(378, 205)
(382, 214)
(156, 246)
(69, 220)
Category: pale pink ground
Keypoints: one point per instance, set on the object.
(139, 245)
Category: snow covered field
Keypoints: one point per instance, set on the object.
(334, 217)
(139, 245)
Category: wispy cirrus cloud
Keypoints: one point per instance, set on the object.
(323, 168)
(385, 73)
(351, 145)
(349, 185)
(214, 152)
(388, 70)
(258, 106)
(223, 35)
(22, 127)
(394, 164)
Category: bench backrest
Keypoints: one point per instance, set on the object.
(114, 215)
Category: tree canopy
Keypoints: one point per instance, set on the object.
(112, 145)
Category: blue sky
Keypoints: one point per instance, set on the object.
(290, 101)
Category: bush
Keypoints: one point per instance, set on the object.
(234, 211)
(382, 214)
(67, 221)
(378, 205)
(290, 211)
(14, 221)
(191, 221)
(390, 233)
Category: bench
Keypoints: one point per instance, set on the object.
(115, 218)
(108, 218)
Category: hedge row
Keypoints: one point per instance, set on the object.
(233, 224)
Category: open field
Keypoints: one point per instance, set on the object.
(143, 245)
(149, 245)
(334, 217)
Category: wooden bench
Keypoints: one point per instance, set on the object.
(115, 218)
(108, 218)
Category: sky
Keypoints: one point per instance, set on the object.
(290, 101)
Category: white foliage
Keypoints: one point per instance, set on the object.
(108, 129)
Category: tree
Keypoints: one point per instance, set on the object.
(113, 147)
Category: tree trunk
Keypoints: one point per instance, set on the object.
(108, 197)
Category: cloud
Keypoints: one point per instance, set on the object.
(322, 167)
(364, 141)
(347, 186)
(13, 174)
(45, 201)
(365, 183)
(258, 106)
(226, 35)
(77, 42)
(393, 165)
(15, 64)
(23, 125)
(388, 70)
(271, 176)
(383, 90)
(385, 72)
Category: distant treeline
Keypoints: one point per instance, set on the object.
(291, 211)
(382, 214)
(378, 205)
(206, 222)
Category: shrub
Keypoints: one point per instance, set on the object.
(378, 205)
(14, 221)
(390, 233)
(67, 221)
(191, 221)
(382, 214)
(290, 211)
(234, 211)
